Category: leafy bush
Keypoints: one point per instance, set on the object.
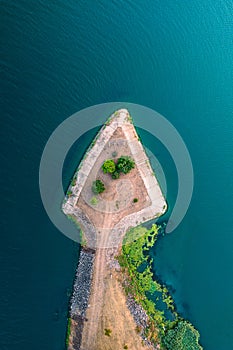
(125, 164)
(98, 187)
(135, 200)
(108, 166)
(182, 337)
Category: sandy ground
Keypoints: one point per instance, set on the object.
(108, 310)
(116, 201)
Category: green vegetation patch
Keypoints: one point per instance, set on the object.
(125, 164)
(68, 331)
(138, 282)
(109, 166)
(182, 337)
(98, 187)
(115, 175)
(94, 201)
(73, 182)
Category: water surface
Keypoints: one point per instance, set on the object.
(61, 56)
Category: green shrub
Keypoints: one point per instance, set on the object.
(98, 187)
(125, 164)
(108, 166)
(94, 201)
(135, 200)
(114, 154)
(182, 337)
(69, 193)
(107, 332)
(115, 175)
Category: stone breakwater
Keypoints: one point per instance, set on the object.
(80, 296)
(139, 315)
(141, 319)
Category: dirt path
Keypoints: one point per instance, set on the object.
(96, 303)
(96, 300)
(108, 310)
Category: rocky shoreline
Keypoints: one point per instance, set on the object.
(140, 318)
(139, 315)
(81, 293)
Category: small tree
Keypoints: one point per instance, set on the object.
(109, 166)
(98, 187)
(125, 164)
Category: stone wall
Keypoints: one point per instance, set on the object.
(80, 296)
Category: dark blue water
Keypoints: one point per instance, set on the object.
(61, 56)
